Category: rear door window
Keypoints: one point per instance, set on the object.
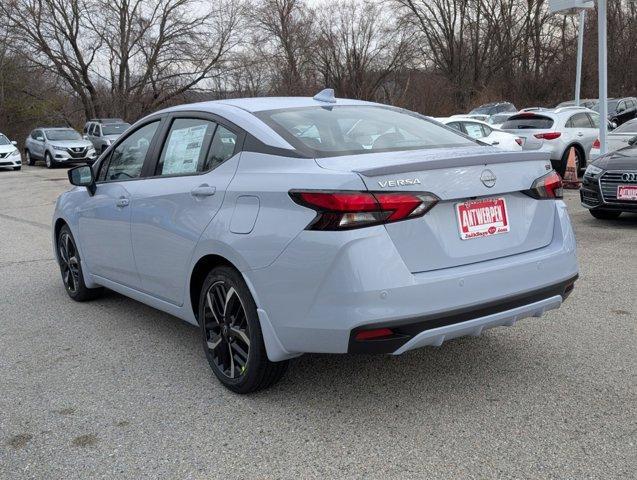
(528, 121)
(186, 147)
(474, 130)
(224, 146)
(579, 120)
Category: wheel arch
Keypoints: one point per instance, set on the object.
(198, 276)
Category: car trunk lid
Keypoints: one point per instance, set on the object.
(458, 176)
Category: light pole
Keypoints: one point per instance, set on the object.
(569, 7)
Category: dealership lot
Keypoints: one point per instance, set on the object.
(113, 388)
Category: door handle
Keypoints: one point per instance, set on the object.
(580, 134)
(122, 202)
(203, 191)
(496, 143)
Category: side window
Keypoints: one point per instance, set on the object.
(85, 129)
(474, 130)
(456, 126)
(128, 157)
(621, 106)
(96, 130)
(594, 117)
(486, 130)
(223, 147)
(186, 146)
(580, 120)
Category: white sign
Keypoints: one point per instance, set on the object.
(569, 6)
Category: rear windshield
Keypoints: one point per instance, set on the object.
(349, 130)
(63, 135)
(521, 122)
(628, 127)
(114, 128)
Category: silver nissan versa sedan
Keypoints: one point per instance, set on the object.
(282, 226)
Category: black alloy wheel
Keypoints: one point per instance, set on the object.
(71, 268)
(232, 336)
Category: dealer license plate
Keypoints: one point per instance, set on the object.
(482, 218)
(627, 192)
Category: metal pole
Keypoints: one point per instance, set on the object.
(603, 103)
(580, 50)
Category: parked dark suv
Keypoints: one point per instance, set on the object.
(620, 110)
(493, 108)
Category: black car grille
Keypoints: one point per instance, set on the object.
(609, 183)
(77, 152)
(4, 155)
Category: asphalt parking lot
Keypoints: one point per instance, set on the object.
(115, 389)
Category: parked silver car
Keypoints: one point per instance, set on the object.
(57, 146)
(283, 226)
(555, 131)
(102, 135)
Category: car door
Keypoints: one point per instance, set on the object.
(104, 219)
(172, 208)
(93, 134)
(582, 130)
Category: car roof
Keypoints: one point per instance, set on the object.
(241, 112)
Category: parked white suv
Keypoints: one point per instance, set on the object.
(555, 131)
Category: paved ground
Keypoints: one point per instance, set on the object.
(114, 389)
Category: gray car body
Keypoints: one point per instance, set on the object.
(38, 145)
(312, 288)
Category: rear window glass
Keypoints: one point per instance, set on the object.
(628, 127)
(348, 130)
(521, 122)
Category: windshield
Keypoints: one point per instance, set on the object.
(67, 134)
(628, 127)
(347, 130)
(114, 128)
(4, 140)
(526, 121)
(496, 119)
(612, 106)
(483, 110)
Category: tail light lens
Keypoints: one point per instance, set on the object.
(546, 187)
(518, 140)
(597, 144)
(548, 135)
(342, 210)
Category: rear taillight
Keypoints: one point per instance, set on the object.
(597, 144)
(548, 186)
(519, 141)
(548, 135)
(343, 210)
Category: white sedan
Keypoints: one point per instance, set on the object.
(9, 154)
(484, 132)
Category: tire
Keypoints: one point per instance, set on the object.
(71, 268)
(229, 324)
(48, 161)
(578, 161)
(605, 214)
(15, 169)
(29, 159)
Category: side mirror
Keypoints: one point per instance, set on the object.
(14, 143)
(82, 176)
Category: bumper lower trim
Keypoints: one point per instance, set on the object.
(434, 329)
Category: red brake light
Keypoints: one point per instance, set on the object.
(345, 210)
(548, 186)
(548, 135)
(597, 144)
(518, 140)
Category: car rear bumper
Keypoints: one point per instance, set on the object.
(435, 329)
(326, 286)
